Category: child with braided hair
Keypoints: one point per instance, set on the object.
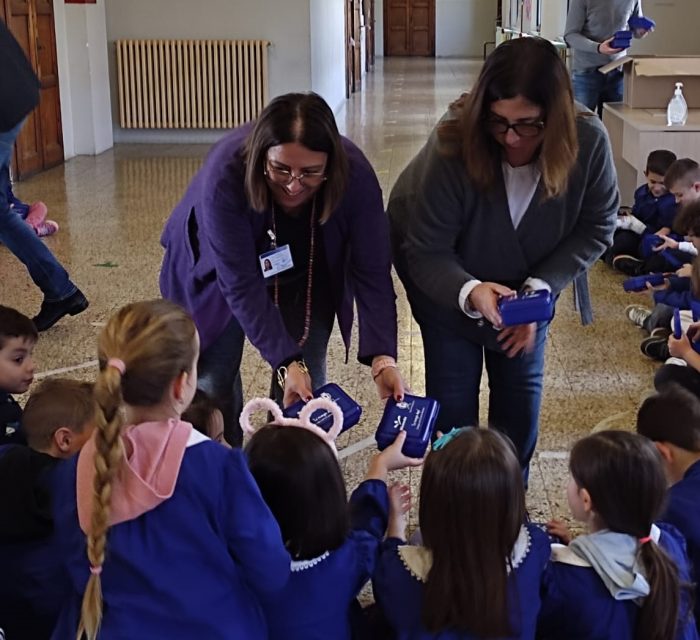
(180, 544)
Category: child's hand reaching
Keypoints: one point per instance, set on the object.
(679, 347)
(399, 506)
(668, 243)
(685, 271)
(558, 528)
(391, 459)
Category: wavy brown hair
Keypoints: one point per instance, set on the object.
(472, 505)
(527, 67)
(156, 342)
(307, 119)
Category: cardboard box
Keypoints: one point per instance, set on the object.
(651, 80)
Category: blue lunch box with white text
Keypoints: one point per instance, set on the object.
(322, 418)
(414, 415)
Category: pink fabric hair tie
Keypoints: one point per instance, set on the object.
(118, 364)
(644, 540)
(96, 571)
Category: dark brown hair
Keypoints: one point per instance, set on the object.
(672, 416)
(200, 411)
(55, 403)
(687, 221)
(684, 172)
(531, 68)
(14, 324)
(307, 119)
(156, 342)
(472, 505)
(300, 480)
(624, 476)
(659, 161)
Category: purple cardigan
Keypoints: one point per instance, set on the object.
(218, 275)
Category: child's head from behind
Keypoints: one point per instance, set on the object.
(671, 419)
(300, 480)
(658, 163)
(205, 416)
(683, 180)
(472, 507)
(617, 482)
(18, 336)
(59, 417)
(687, 222)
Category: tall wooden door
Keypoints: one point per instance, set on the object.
(353, 44)
(368, 10)
(40, 142)
(409, 27)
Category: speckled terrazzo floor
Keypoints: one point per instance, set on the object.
(111, 209)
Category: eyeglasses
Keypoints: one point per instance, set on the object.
(522, 129)
(284, 177)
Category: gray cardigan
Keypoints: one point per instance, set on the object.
(446, 233)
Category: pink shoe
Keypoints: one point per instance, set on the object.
(46, 228)
(37, 214)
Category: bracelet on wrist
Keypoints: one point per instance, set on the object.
(382, 363)
(282, 372)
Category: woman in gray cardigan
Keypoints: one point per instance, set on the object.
(515, 189)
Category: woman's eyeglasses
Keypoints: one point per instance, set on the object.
(522, 129)
(284, 177)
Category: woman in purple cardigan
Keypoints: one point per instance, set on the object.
(281, 230)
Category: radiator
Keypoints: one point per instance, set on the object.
(191, 84)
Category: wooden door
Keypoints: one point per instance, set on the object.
(353, 51)
(368, 9)
(40, 142)
(409, 27)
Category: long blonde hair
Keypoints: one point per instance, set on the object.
(527, 67)
(156, 342)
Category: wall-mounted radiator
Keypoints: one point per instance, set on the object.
(193, 84)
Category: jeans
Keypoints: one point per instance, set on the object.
(453, 366)
(593, 88)
(22, 241)
(219, 370)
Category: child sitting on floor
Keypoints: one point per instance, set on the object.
(18, 336)
(334, 546)
(58, 419)
(478, 572)
(626, 577)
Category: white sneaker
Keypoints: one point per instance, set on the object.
(637, 314)
(679, 362)
(631, 223)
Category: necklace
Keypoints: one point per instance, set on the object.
(309, 277)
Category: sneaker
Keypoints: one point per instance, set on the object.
(678, 362)
(655, 348)
(627, 264)
(661, 332)
(637, 314)
(46, 228)
(51, 312)
(36, 214)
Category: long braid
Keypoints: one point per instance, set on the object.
(108, 455)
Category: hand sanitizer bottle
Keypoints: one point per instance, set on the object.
(677, 111)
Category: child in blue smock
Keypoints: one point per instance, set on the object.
(334, 546)
(479, 570)
(671, 420)
(626, 578)
(164, 532)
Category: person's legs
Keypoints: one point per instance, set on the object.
(515, 396)
(612, 86)
(624, 243)
(661, 317)
(588, 86)
(453, 367)
(220, 377)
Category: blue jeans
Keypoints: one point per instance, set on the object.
(22, 241)
(453, 366)
(219, 370)
(593, 88)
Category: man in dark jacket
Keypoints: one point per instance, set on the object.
(19, 88)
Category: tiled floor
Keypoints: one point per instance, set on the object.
(111, 209)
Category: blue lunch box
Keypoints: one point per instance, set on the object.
(526, 307)
(322, 418)
(639, 283)
(414, 415)
(641, 22)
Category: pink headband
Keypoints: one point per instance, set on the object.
(303, 421)
(118, 364)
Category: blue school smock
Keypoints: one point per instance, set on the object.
(316, 602)
(683, 512)
(32, 582)
(576, 605)
(399, 593)
(193, 567)
(654, 212)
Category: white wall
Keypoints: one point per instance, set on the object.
(286, 24)
(553, 19)
(677, 23)
(328, 50)
(379, 28)
(462, 27)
